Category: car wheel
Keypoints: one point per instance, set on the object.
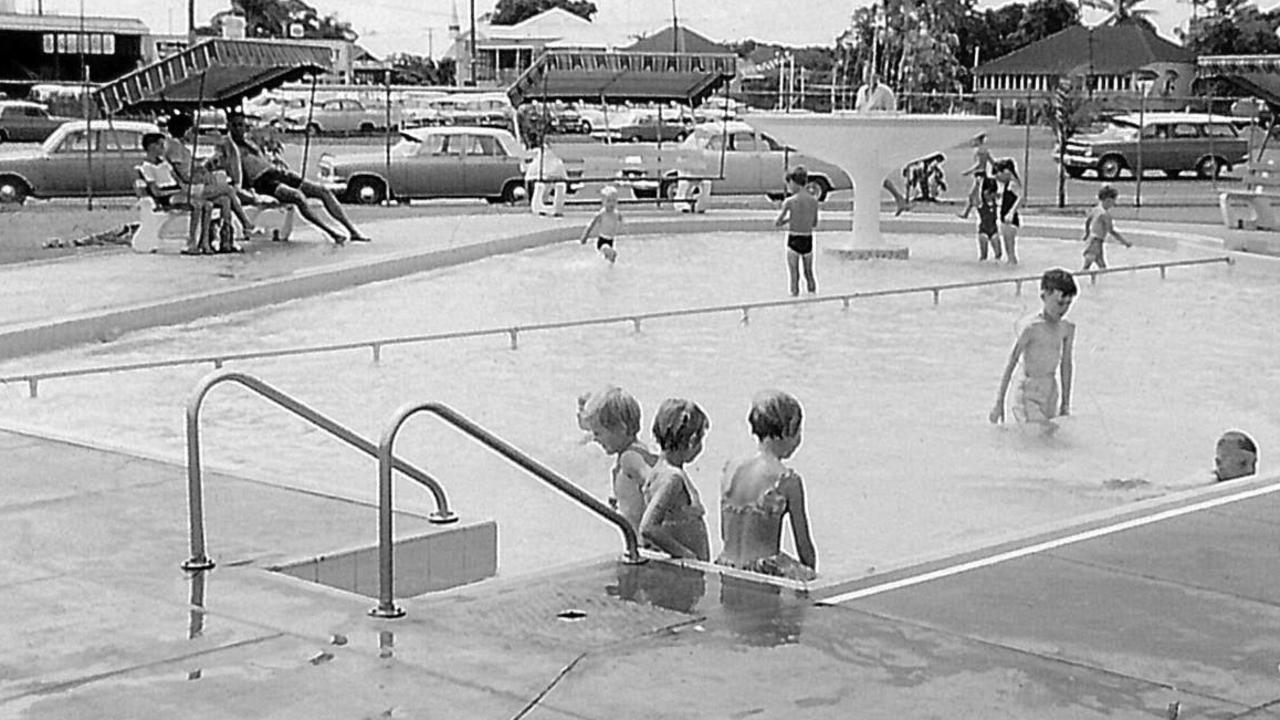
(367, 191)
(585, 127)
(634, 139)
(4, 136)
(13, 190)
(1109, 167)
(313, 128)
(1075, 172)
(1172, 174)
(513, 192)
(1209, 168)
(818, 188)
(367, 127)
(667, 189)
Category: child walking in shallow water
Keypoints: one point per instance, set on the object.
(758, 492)
(673, 515)
(613, 418)
(800, 214)
(1044, 345)
(606, 224)
(1098, 225)
(988, 219)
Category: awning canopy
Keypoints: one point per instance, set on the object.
(1254, 74)
(215, 72)
(595, 75)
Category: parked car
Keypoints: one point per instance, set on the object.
(597, 120)
(61, 165)
(1171, 142)
(420, 110)
(648, 126)
(433, 162)
(22, 121)
(270, 109)
(338, 115)
(755, 163)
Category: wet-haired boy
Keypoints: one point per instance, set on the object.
(1044, 347)
(1098, 226)
(800, 216)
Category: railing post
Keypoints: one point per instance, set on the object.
(514, 341)
(636, 323)
(1017, 288)
(1162, 269)
(746, 315)
(199, 559)
(377, 352)
(936, 293)
(33, 387)
(386, 550)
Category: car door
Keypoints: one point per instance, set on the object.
(418, 173)
(121, 153)
(487, 167)
(743, 163)
(30, 124)
(66, 166)
(1186, 147)
(448, 176)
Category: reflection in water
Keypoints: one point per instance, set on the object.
(195, 623)
(666, 586)
(386, 644)
(757, 614)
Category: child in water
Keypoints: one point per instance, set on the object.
(1044, 345)
(606, 224)
(673, 514)
(988, 218)
(757, 492)
(613, 418)
(1098, 225)
(800, 215)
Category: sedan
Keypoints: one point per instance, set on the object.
(341, 115)
(74, 160)
(432, 162)
(26, 121)
(647, 127)
(749, 162)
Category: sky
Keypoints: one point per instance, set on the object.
(419, 26)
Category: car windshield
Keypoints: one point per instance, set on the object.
(1120, 129)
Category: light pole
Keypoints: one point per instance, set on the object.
(472, 52)
(1144, 80)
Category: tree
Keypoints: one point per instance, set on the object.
(510, 12)
(409, 69)
(1043, 18)
(273, 18)
(1067, 117)
(1124, 11)
(1242, 29)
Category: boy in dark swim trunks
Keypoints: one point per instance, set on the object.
(606, 224)
(800, 215)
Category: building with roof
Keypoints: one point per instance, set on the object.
(679, 39)
(502, 52)
(1106, 60)
(43, 49)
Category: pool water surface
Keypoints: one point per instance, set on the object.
(898, 457)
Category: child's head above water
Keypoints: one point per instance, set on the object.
(613, 417)
(798, 176)
(1236, 455)
(679, 426)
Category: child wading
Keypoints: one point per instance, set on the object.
(673, 514)
(988, 219)
(606, 224)
(800, 215)
(1044, 345)
(1098, 225)
(613, 417)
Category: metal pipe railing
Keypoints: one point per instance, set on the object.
(200, 559)
(375, 346)
(386, 572)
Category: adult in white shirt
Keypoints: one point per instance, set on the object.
(875, 96)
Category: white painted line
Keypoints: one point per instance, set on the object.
(1046, 545)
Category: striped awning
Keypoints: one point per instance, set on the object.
(597, 74)
(215, 72)
(1218, 65)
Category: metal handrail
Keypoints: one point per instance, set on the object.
(199, 559)
(386, 576)
(376, 345)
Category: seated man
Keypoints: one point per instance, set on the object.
(255, 170)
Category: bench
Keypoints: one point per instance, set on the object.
(168, 230)
(1250, 207)
(650, 174)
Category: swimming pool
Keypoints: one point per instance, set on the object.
(898, 457)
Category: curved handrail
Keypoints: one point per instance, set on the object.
(386, 577)
(376, 345)
(199, 559)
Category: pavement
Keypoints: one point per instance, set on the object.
(1165, 608)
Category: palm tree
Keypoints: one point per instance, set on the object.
(1122, 11)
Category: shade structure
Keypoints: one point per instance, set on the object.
(216, 72)
(615, 76)
(1254, 74)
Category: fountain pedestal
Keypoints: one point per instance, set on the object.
(869, 146)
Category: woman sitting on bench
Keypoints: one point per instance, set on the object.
(203, 186)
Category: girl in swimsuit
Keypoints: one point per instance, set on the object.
(673, 515)
(1010, 201)
(757, 492)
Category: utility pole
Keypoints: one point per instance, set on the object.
(472, 52)
(675, 29)
(191, 22)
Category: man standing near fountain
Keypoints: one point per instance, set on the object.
(875, 96)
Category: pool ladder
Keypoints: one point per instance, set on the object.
(387, 462)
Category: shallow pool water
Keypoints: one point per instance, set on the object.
(898, 457)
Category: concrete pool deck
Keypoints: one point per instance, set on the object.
(1175, 601)
(100, 622)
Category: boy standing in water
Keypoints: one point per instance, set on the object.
(1099, 224)
(1044, 344)
(606, 224)
(800, 215)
